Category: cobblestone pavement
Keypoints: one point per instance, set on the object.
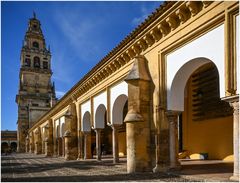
(31, 168)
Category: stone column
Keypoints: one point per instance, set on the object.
(98, 144)
(38, 149)
(87, 145)
(49, 139)
(59, 147)
(81, 148)
(138, 118)
(71, 139)
(32, 142)
(115, 143)
(173, 138)
(27, 144)
(67, 141)
(234, 103)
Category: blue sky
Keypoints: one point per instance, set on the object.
(80, 34)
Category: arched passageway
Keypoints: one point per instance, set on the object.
(88, 145)
(13, 146)
(200, 123)
(4, 147)
(119, 111)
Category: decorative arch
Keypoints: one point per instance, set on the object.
(182, 62)
(35, 44)
(100, 116)
(117, 110)
(176, 92)
(13, 146)
(36, 62)
(86, 122)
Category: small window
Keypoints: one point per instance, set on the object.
(27, 62)
(45, 65)
(35, 44)
(35, 26)
(36, 62)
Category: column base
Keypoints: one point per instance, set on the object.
(159, 168)
(234, 178)
(175, 167)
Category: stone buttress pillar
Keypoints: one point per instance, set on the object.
(138, 117)
(234, 103)
(173, 138)
(87, 145)
(38, 145)
(32, 143)
(98, 144)
(81, 144)
(59, 146)
(27, 144)
(70, 137)
(49, 139)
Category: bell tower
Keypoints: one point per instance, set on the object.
(36, 93)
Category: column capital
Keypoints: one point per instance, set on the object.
(172, 115)
(113, 125)
(233, 102)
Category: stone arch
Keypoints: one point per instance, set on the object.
(175, 100)
(4, 147)
(13, 146)
(117, 110)
(86, 122)
(100, 115)
(192, 56)
(120, 89)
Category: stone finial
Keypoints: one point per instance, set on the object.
(139, 70)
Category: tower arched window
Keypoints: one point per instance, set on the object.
(27, 62)
(45, 65)
(35, 44)
(36, 62)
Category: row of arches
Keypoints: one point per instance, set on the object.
(7, 147)
(36, 63)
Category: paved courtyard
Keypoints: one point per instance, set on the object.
(30, 167)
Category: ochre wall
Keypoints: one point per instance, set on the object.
(212, 136)
(122, 144)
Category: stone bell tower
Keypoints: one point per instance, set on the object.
(36, 93)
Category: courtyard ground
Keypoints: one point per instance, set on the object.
(30, 168)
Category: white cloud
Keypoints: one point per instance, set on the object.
(81, 32)
(59, 94)
(145, 12)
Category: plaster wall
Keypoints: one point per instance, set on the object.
(212, 136)
(115, 91)
(209, 46)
